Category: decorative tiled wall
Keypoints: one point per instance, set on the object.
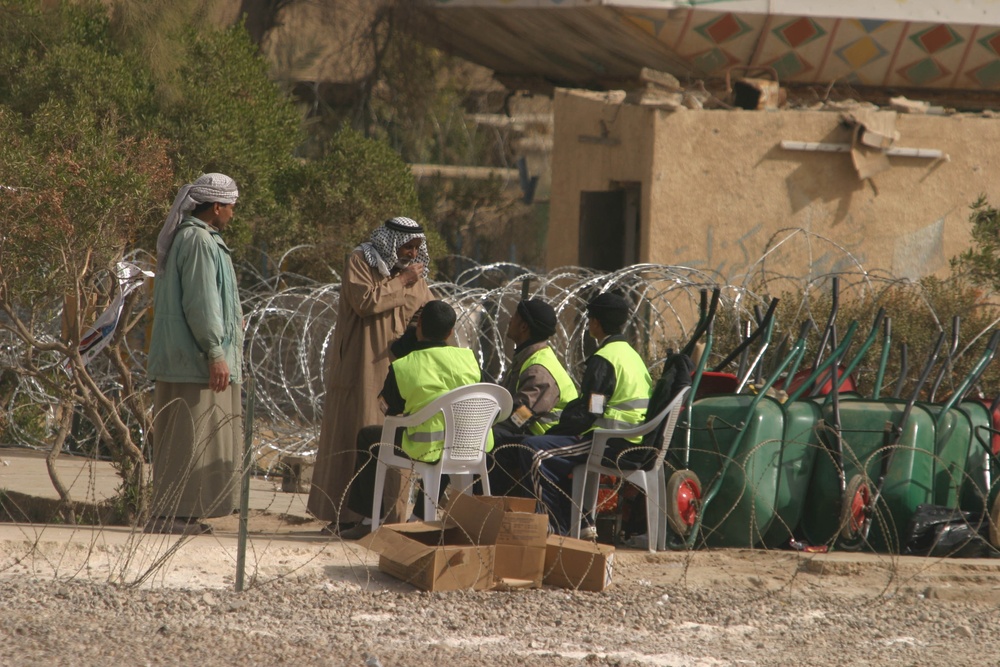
(820, 50)
(900, 48)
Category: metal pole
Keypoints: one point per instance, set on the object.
(241, 544)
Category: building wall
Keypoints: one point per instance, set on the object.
(579, 164)
(720, 187)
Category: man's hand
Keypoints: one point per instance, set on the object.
(218, 375)
(411, 274)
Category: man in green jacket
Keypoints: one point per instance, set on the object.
(196, 361)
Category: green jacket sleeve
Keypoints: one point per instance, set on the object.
(201, 298)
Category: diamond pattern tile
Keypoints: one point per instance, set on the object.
(648, 24)
(714, 61)
(722, 29)
(798, 32)
(790, 65)
(861, 52)
(923, 71)
(987, 75)
(849, 49)
(870, 25)
(991, 42)
(936, 39)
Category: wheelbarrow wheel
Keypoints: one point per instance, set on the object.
(995, 523)
(683, 501)
(855, 513)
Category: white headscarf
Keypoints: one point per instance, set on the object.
(208, 188)
(381, 249)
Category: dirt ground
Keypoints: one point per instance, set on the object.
(113, 596)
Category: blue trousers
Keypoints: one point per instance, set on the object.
(551, 459)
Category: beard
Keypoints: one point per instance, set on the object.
(403, 263)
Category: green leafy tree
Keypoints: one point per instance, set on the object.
(93, 151)
(227, 116)
(415, 99)
(105, 111)
(342, 210)
(981, 262)
(78, 191)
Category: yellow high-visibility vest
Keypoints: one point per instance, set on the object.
(546, 358)
(422, 376)
(626, 408)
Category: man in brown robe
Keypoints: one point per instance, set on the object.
(384, 286)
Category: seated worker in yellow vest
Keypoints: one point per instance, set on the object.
(540, 387)
(431, 369)
(614, 393)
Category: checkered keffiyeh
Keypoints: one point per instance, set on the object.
(207, 188)
(380, 250)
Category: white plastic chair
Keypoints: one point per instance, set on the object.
(469, 413)
(587, 476)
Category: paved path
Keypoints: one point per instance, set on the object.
(283, 540)
(24, 471)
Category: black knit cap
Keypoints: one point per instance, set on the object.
(610, 310)
(539, 316)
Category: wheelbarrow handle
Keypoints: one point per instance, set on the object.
(883, 359)
(984, 360)
(705, 323)
(928, 367)
(956, 323)
(806, 327)
(762, 326)
(835, 374)
(828, 330)
(804, 330)
(851, 330)
(904, 368)
(768, 327)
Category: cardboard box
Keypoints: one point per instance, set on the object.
(433, 557)
(578, 564)
(482, 543)
(521, 543)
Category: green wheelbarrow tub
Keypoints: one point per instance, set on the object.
(952, 443)
(745, 455)
(799, 446)
(909, 479)
(978, 471)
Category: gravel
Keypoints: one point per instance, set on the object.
(729, 607)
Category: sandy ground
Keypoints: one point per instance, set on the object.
(96, 597)
(100, 596)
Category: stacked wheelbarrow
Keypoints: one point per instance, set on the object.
(833, 468)
(751, 452)
(754, 454)
(886, 457)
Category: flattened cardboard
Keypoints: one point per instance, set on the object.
(578, 564)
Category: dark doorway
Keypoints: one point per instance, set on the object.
(609, 227)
